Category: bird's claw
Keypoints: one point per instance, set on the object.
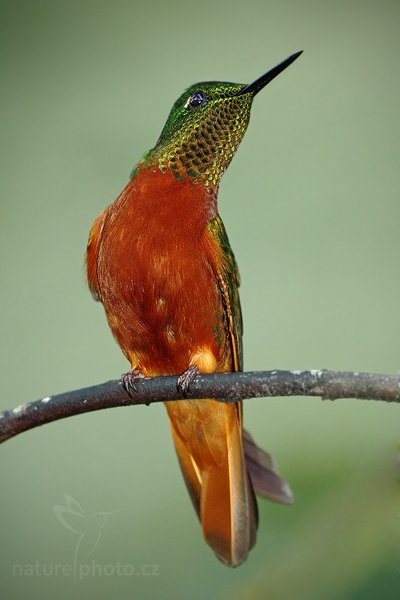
(129, 379)
(186, 379)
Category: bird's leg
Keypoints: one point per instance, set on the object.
(186, 379)
(128, 380)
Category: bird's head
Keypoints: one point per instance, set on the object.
(205, 127)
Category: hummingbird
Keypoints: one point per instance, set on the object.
(86, 526)
(159, 260)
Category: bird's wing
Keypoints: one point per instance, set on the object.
(92, 251)
(262, 469)
(228, 282)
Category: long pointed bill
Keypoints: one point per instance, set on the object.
(258, 84)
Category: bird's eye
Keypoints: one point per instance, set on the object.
(195, 100)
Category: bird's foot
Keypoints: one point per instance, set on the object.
(186, 379)
(129, 379)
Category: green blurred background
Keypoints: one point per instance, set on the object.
(311, 204)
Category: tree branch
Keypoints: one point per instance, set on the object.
(226, 387)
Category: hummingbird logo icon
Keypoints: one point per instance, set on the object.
(87, 527)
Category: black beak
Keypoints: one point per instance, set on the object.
(258, 84)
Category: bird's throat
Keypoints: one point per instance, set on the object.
(201, 153)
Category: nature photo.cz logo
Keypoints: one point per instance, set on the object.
(87, 529)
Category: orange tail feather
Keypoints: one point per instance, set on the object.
(208, 440)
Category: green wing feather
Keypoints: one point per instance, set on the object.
(263, 472)
(229, 286)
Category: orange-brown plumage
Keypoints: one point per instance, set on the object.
(157, 273)
(154, 265)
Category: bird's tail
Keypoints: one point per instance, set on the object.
(209, 442)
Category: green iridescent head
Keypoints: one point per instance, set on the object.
(205, 127)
